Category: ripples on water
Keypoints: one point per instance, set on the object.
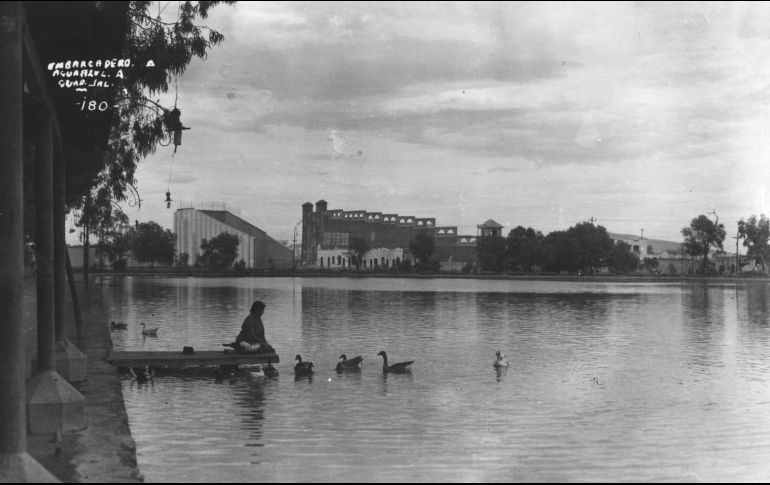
(608, 381)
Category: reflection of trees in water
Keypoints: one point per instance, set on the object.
(346, 311)
(324, 308)
(754, 308)
(577, 312)
(756, 303)
(703, 321)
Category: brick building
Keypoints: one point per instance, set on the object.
(327, 236)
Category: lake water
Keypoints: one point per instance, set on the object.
(607, 381)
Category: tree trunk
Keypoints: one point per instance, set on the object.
(75, 301)
(86, 210)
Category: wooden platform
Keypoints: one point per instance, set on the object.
(176, 360)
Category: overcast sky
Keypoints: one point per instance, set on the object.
(642, 116)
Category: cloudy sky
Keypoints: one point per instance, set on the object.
(642, 116)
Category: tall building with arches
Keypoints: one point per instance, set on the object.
(328, 237)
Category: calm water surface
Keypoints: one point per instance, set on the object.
(608, 381)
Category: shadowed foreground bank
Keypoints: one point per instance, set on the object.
(104, 451)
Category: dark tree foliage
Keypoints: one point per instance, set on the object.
(593, 246)
(651, 265)
(150, 243)
(422, 246)
(114, 237)
(98, 216)
(491, 251)
(584, 248)
(220, 252)
(141, 124)
(359, 246)
(756, 235)
(559, 254)
(701, 235)
(524, 248)
(623, 259)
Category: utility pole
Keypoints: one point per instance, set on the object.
(294, 246)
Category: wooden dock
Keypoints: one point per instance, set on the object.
(176, 360)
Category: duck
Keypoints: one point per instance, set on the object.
(149, 331)
(302, 369)
(118, 326)
(353, 364)
(144, 375)
(256, 372)
(271, 371)
(398, 368)
(501, 360)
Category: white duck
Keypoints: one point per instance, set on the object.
(153, 332)
(256, 372)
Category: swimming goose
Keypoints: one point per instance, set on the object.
(353, 364)
(303, 368)
(501, 360)
(398, 368)
(149, 331)
(118, 326)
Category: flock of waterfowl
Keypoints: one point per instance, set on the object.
(305, 369)
(302, 368)
(147, 332)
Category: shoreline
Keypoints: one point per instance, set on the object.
(511, 277)
(104, 450)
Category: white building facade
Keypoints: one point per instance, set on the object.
(379, 258)
(255, 247)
